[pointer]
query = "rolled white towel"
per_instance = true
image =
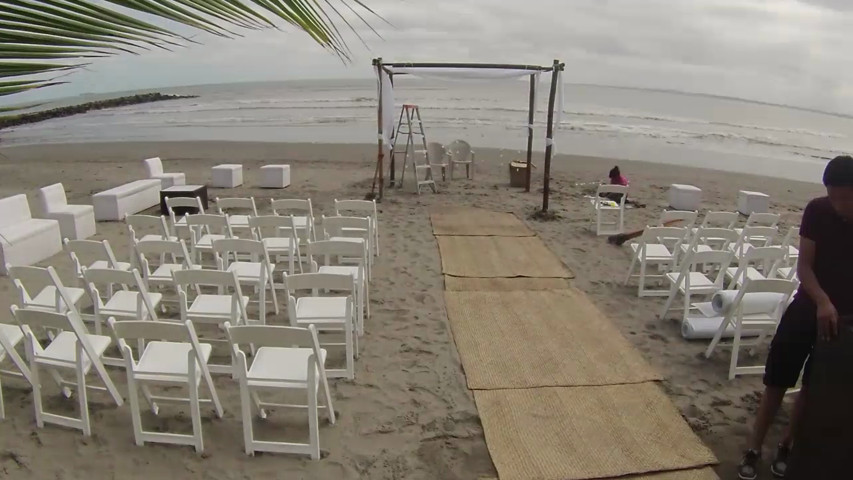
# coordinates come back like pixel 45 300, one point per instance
pixel 753 303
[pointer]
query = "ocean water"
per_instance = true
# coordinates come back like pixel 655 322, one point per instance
pixel 633 124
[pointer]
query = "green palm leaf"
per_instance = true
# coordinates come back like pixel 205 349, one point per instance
pixel 40 38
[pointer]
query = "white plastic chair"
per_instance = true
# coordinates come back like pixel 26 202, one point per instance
pixel 172 357
pixel 227 305
pixel 351 229
pixel 725 220
pixel 460 153
pixel 325 256
pixel 706 239
pixel 179 223
pixel 758 263
pixel 72 350
pixel 204 230
pixel 122 294
pixel 37 290
pixel 652 251
pixel 361 208
pixel 10 337
pixel 602 206
pixel 757 321
pixel 285 358
pixel 700 273
pixel 256 272
pixel 333 312
pixel 303 216
pixel 92 254
pixel 238 221
pixel 278 234
pixel 438 158
pixel 756 219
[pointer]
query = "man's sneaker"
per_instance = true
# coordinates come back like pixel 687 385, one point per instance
pixel 748 468
pixel 780 462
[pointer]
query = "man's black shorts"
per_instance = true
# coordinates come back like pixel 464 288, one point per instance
pixel 792 345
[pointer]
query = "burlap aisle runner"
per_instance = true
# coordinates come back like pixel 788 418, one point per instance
pixel 540 339
pixel 466 221
pixel 501 257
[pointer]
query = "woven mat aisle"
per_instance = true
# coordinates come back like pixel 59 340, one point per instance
pixel 560 392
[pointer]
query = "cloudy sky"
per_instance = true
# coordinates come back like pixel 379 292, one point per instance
pixel 785 51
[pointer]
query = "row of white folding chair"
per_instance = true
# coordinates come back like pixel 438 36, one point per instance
pixel 162 362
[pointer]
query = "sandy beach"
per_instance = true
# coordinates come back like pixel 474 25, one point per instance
pixel 408 413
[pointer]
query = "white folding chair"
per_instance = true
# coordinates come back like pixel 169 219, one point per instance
pixel 758 263
pixel 335 311
pixel 759 318
pixel 652 251
pixel 71 350
pixel 246 207
pixel 700 273
pixel 226 305
pixel 37 290
pixel 204 229
pixel 460 153
pixel 756 219
pixel 122 294
pixel 92 254
pixel 250 260
pixel 278 234
pixel 706 239
pixel 602 206
pixel 325 257
pixel 751 237
pixel 178 222
pixel 288 359
pixel 156 271
pixel 789 244
pixel 147 227
pixel 173 357
pixel 10 337
pixel 725 220
pixel 685 218
pixel 303 216
pixel 361 208
pixel 351 229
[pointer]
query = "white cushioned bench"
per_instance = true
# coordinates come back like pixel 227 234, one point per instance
pixel 130 198
pixel 25 240
pixel 76 222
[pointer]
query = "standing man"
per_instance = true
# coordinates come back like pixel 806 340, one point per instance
pixel 825 269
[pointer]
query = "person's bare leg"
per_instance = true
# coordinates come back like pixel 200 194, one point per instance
pixel 767 410
pixel 796 417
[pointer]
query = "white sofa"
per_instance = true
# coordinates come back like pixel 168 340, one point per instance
pixel 130 198
pixel 76 222
pixel 25 240
pixel 154 168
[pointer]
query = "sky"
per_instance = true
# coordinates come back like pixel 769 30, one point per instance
pixel 794 52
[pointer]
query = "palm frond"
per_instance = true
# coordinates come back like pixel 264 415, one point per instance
pixel 39 38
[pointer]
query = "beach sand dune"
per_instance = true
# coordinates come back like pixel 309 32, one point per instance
pixel 408 414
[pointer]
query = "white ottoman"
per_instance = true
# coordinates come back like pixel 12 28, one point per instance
pixel 684 197
pixel 752 202
pixel 275 176
pixel 228 175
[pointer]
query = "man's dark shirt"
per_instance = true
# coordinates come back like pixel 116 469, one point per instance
pixel 833 263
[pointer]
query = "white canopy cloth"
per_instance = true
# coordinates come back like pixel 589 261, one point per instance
pixel 386 89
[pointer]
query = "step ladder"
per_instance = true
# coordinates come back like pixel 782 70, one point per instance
pixel 410 126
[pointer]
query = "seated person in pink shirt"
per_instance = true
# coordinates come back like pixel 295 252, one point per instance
pixel 616 178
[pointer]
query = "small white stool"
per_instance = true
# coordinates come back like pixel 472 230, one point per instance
pixel 752 202
pixel 684 197
pixel 275 176
pixel 228 175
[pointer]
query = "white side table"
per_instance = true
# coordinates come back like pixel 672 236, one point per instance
pixel 684 197
pixel 275 176
pixel 228 175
